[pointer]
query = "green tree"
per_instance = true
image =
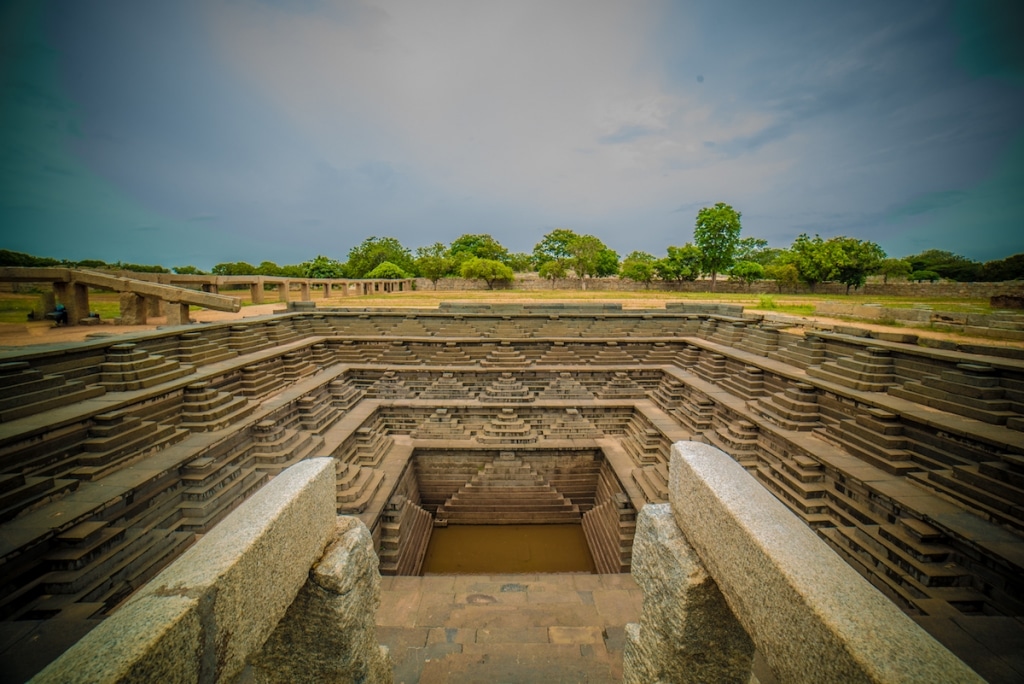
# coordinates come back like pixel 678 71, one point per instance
pixel 946 264
pixel 584 254
pixel 894 268
pixel 607 263
pixel 816 261
pixel 638 267
pixel 783 274
pixel 481 246
pixel 716 234
pixel 99 263
pixel 520 262
pixel 374 251
pixel 487 270
pixel 1001 270
pixel 233 268
pixel 322 267
pixel 750 249
pixel 682 264
pixel 552 270
pixel 553 247
pixel 855 260
pixel 269 268
pixel 387 271
pixel 9 258
pixel 747 271
pixel 919 276
pixel 180 270
pixel 433 262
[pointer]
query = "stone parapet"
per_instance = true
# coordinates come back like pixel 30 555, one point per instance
pixel 208 612
pixel 811 615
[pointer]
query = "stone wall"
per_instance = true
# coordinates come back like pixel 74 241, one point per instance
pixel 809 614
pixel 530 282
pixel 209 612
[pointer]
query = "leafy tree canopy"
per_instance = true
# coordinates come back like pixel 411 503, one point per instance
pixel 374 251
pixel 785 275
pixel 182 270
pixel 585 255
pixel 481 246
pixel 553 247
pixel 681 264
pixel 946 264
pixel 552 270
pixel 747 271
pixel 322 267
pixel 894 268
pixel 433 262
pixel 816 261
pixel 388 271
pixel 520 262
pixel 855 260
pixel 233 268
pixel 638 267
pixel 716 235
pixel 488 270
pixel 1010 268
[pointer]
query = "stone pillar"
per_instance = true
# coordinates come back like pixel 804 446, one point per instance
pixel 304 291
pixel 155 307
pixel 256 292
pixel 327 290
pixel 329 633
pixel 47 303
pixel 177 313
pixel 282 291
pixel 687 632
pixel 133 309
pixel 211 288
pixel 75 298
pixel 344 289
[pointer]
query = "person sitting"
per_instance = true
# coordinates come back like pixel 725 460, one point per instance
pixel 59 315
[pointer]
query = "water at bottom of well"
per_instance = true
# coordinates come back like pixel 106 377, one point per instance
pixel 499 549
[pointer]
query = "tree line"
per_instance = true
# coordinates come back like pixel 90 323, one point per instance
pixel 717 248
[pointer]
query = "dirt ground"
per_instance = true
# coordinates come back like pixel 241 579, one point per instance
pixel 18 335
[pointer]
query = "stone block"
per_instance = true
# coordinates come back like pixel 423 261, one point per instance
pixel 206 613
pixel 153 639
pixel 813 617
pixel 328 633
pixel 687 632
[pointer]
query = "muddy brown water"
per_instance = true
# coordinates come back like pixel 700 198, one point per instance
pixel 502 549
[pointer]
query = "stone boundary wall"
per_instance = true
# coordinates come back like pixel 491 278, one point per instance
pixel 810 615
pixel 209 611
pixel 530 282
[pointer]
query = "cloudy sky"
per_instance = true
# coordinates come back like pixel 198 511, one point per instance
pixel 201 131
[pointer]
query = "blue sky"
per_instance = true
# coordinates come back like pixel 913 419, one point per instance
pixel 201 131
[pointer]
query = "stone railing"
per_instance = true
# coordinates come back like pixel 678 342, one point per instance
pixel 728 571
pixel 243 600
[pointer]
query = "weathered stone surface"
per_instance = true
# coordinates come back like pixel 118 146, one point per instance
pixel 811 615
pixel 154 639
pixel 328 633
pixel 206 613
pixel 686 631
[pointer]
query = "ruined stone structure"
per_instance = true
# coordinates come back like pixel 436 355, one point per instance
pixel 907 461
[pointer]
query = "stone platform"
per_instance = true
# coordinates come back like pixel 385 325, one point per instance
pixel 507 628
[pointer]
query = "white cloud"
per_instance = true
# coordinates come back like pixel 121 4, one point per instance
pixel 562 105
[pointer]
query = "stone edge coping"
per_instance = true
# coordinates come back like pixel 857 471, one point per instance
pixel 811 615
pixel 206 613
